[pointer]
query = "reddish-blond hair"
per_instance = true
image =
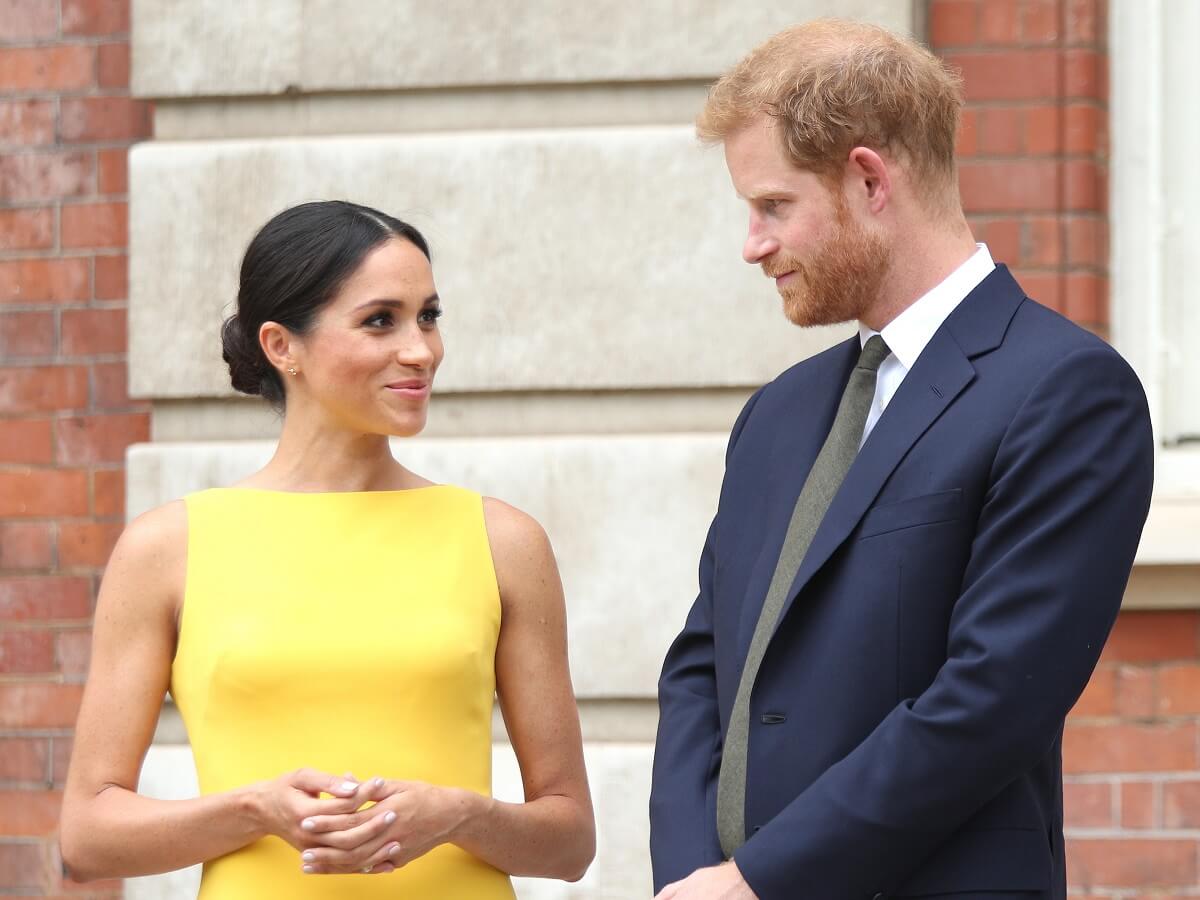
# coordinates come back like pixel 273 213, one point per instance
pixel 834 85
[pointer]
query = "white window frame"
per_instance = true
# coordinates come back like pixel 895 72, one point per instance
pixel 1155 69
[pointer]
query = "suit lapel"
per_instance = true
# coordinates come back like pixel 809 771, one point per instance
pixel 940 374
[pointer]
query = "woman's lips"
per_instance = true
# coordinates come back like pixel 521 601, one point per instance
pixel 410 388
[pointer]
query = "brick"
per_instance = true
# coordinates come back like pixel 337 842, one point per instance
pixel 74 652
pixel 953 23
pixel 60 758
pixel 1131 862
pixel 26 442
pixel 26 652
pixel 108 492
pixel 1086 298
pixel 1136 692
pixel 1137 804
pixel 1003 237
pixel 68 67
pixel 86 543
pixel 1181 804
pixel 39 705
pixel 93 332
pixel 1017 186
pixel 39 493
pixel 83 440
pixel 1039 21
pixel 1085 130
pixel 26 229
pixel 1041 241
pixel 24 759
pixel 110 386
pixel 26 334
pixel 1179 690
pixel 28 20
pixel 1043 131
pixel 1129 748
pixel 34 177
pixel 112 171
pixel 1088 805
pixel 95 17
pixel 44 280
pixel 998 22
pixel 45 598
pixel 1046 289
pixel 29 812
pixel 112 65
pixel 26 123
pixel 23 866
pixel 90 119
pixel 112 277
pixel 1154 636
pixel 1082 22
pixel 1099 697
pixel 1009 75
pixel 25 545
pixel 1083 77
pixel 968 134
pixel 1087 241
pixel 95 225
pixel 1085 187
pixel 1001 131
pixel 42 388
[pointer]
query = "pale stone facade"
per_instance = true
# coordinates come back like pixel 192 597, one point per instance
pixel 602 330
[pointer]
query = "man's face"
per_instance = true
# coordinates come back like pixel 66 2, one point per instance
pixel 827 266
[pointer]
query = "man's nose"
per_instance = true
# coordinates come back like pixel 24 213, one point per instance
pixel 759 245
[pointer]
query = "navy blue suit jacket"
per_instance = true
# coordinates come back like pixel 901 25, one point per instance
pixel 906 722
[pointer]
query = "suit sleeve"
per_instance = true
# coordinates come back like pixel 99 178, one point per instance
pixel 687 751
pixel 1054 544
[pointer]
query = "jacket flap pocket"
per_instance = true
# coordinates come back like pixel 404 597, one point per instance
pixel 927 509
pixel 1006 859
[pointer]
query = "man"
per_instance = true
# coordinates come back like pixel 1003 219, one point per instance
pixel 923 535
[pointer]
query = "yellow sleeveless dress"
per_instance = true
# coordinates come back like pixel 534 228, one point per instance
pixel 345 632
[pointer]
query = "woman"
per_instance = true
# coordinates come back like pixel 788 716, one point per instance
pixel 334 612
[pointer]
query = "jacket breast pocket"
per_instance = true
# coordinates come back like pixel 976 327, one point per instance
pixel 927 509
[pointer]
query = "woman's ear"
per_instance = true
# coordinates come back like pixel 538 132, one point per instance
pixel 279 346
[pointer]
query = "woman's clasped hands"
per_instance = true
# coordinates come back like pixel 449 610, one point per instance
pixel 369 827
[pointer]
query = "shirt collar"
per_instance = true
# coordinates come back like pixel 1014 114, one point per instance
pixel 908 333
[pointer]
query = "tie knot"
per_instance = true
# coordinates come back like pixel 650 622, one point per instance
pixel 874 352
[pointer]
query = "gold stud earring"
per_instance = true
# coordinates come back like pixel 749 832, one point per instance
pixel 292 371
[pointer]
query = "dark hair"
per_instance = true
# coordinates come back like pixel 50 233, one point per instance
pixel 293 267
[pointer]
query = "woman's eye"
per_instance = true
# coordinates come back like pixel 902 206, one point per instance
pixel 429 316
pixel 379 320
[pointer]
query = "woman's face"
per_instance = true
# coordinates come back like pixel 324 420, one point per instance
pixel 370 358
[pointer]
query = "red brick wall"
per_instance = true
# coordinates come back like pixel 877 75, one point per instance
pixel 66 122
pixel 1033 153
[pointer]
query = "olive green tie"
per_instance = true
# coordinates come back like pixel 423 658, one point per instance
pixel 824 479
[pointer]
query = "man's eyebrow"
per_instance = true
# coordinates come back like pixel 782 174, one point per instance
pixel 395 304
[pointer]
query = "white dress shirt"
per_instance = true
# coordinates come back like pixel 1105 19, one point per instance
pixel 908 333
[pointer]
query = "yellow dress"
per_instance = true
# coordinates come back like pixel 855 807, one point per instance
pixel 345 632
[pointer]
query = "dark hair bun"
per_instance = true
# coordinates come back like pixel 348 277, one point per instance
pixel 249 371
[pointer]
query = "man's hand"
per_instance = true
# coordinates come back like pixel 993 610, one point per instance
pixel 723 882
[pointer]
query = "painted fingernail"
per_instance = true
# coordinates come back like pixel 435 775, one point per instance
pixel 378 782
pixel 308 856
pixel 393 850
pixel 308 870
pixel 389 817
pixel 349 786
pixel 308 824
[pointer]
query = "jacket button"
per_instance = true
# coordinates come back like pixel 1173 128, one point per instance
pixel 773 718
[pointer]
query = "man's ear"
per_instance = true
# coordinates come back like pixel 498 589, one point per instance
pixel 279 346
pixel 868 178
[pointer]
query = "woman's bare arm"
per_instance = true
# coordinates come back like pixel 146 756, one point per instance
pixel 108 829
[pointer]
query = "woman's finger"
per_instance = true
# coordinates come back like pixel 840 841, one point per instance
pixel 347 832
